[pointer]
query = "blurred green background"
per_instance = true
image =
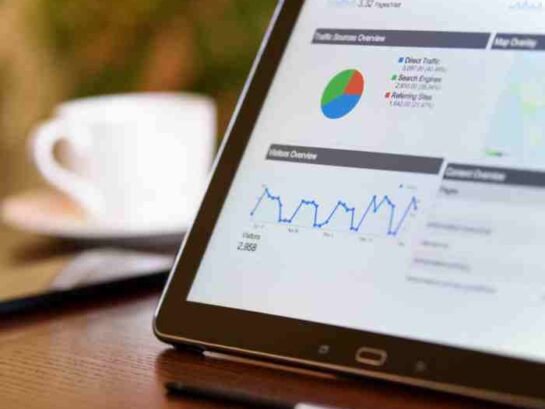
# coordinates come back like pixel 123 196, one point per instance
pixel 54 50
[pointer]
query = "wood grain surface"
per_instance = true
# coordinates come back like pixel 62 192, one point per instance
pixel 104 355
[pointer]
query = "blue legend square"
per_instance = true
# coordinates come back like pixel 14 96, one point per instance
pixel 401 60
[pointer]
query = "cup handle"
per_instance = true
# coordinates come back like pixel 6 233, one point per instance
pixel 44 140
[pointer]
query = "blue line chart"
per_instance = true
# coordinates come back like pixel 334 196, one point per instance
pixel 357 224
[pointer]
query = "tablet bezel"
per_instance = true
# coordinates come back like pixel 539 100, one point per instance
pixel 302 343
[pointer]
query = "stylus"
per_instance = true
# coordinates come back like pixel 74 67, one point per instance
pixel 219 394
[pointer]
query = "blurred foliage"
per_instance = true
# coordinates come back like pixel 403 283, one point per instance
pixel 126 45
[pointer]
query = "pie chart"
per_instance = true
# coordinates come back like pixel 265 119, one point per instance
pixel 342 94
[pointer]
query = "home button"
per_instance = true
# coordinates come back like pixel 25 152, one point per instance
pixel 371 356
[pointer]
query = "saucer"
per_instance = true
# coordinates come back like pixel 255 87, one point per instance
pixel 49 213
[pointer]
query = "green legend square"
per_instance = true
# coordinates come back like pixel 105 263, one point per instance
pixel 394 77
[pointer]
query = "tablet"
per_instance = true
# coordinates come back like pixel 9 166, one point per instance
pixel 378 206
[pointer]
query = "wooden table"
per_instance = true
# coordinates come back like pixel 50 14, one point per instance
pixel 104 355
pixel 101 354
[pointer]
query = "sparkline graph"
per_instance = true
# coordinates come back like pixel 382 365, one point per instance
pixel 376 205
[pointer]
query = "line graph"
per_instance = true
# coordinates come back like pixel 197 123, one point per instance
pixel 396 218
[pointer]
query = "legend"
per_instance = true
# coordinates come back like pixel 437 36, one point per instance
pixel 416 82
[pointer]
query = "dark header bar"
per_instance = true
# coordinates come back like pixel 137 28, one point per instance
pixel 522 42
pixel 392 38
pixel 497 176
pixel 354 159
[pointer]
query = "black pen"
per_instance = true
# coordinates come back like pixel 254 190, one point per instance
pixel 223 395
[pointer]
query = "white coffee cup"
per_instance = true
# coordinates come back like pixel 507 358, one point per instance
pixel 135 161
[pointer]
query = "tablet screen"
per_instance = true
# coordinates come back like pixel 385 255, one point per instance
pixel 395 179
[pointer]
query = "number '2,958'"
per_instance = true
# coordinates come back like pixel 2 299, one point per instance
pixel 247 246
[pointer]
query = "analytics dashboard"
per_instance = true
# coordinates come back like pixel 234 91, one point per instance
pixel 394 181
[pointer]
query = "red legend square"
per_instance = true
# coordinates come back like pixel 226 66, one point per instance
pixel 388 95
